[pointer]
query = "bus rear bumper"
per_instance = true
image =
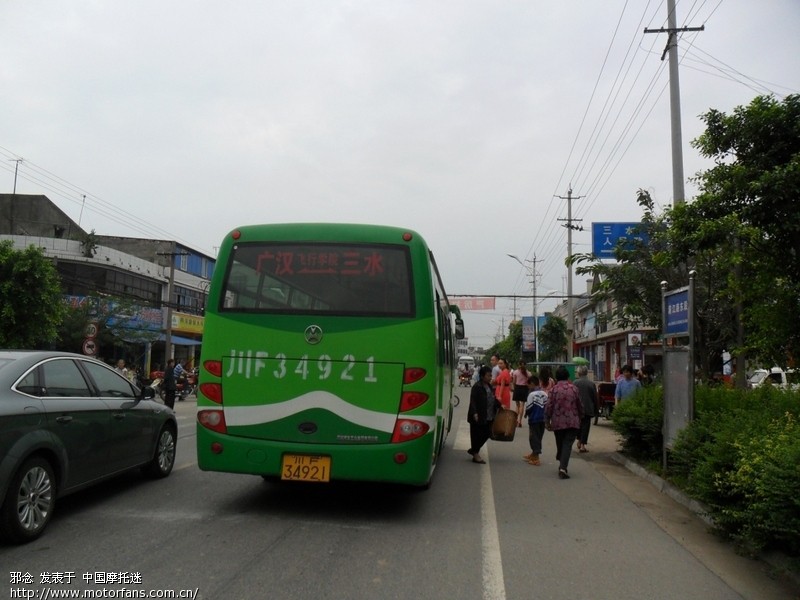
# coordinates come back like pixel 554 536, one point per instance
pixel 409 463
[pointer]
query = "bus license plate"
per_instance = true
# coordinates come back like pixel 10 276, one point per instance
pixel 304 467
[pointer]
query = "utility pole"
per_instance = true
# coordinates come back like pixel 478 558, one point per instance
pixel 678 194
pixel 170 287
pixel 532 272
pixel 569 225
pixel 535 316
pixel 16 169
pixel 13 194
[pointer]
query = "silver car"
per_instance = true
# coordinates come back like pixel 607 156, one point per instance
pixel 66 422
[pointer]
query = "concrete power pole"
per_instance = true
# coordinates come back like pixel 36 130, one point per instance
pixel 535 315
pixel 678 194
pixel 532 272
pixel 170 288
pixel 13 195
pixel 570 306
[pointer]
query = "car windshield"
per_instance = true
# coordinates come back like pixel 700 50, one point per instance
pixel 758 377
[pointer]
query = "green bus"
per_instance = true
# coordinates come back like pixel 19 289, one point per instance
pixel 328 354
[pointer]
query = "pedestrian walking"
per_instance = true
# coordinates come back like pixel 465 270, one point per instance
pixel 563 413
pixel 494 361
pixel 587 390
pixel 502 384
pixel 534 411
pixel 627 385
pixel 169 385
pixel 519 390
pixel 483 406
pixel 546 380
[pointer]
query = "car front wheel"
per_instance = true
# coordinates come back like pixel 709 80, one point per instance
pixel 29 502
pixel 164 458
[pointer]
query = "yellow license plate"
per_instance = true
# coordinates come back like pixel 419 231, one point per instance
pixel 304 467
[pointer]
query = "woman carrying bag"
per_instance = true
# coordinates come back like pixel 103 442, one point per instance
pixel 483 406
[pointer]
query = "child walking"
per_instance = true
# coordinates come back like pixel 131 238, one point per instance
pixel 534 410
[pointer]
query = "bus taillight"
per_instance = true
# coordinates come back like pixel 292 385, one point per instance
pixel 406 430
pixel 413 374
pixel 411 400
pixel 214 367
pixel 213 420
pixel 212 391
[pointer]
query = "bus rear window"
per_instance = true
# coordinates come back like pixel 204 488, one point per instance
pixel 340 279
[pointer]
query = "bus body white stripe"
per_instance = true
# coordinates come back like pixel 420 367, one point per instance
pixel 267 413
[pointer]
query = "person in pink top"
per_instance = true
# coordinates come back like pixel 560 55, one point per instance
pixel 519 389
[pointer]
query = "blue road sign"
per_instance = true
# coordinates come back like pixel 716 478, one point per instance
pixel 677 313
pixel 606 236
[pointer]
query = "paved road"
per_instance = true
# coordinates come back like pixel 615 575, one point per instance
pixel 504 530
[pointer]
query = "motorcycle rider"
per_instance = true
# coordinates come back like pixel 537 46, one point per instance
pixel 182 379
pixel 179 370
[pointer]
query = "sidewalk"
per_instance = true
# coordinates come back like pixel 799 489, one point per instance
pixel 692 533
pixel 604 440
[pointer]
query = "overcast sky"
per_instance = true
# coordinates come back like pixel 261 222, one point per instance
pixel 463 120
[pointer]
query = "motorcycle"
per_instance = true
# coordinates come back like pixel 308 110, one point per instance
pixel 185 385
pixel 465 379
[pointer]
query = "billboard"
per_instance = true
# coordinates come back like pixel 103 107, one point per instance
pixel 474 302
pixel 528 335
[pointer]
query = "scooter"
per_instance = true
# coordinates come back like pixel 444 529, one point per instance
pixel 186 384
pixel 465 380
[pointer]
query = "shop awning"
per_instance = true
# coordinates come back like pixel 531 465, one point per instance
pixel 178 340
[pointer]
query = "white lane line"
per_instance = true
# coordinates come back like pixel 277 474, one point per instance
pixel 491 559
pixel 184 466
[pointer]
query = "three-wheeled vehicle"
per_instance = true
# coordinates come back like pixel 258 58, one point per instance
pixel 605 397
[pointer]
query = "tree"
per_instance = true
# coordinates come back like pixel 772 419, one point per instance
pixel 741 236
pixel 632 285
pixel 749 202
pixel 553 339
pixel 117 333
pixel 510 347
pixel 89 244
pixel 31 307
pixel 756 176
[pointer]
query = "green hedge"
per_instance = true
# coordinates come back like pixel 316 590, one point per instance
pixel 740 457
pixel 639 421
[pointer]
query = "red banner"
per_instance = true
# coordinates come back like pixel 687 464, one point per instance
pixel 476 303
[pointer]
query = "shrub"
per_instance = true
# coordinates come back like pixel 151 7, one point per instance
pixel 741 457
pixel 639 421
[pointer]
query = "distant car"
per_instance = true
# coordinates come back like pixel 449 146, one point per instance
pixel 788 379
pixel 66 422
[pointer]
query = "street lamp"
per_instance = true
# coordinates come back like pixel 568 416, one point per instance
pixel 532 270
